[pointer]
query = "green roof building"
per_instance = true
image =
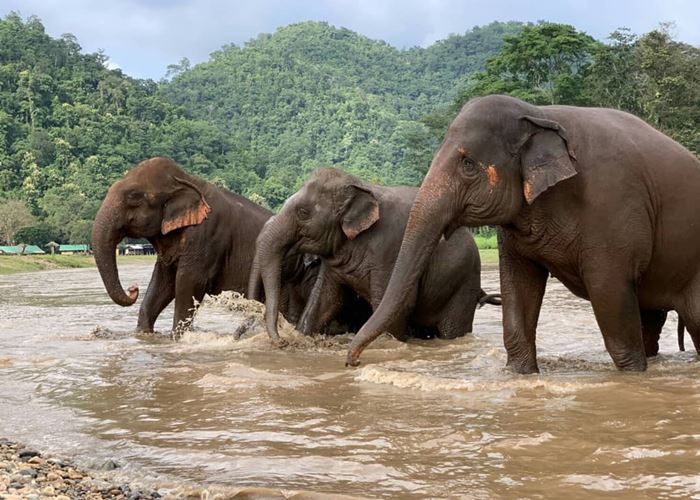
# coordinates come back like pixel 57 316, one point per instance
pixel 17 250
pixel 74 248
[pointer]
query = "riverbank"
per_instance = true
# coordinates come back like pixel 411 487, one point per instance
pixel 25 473
pixel 11 264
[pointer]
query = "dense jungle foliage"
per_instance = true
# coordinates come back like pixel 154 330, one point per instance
pixel 258 118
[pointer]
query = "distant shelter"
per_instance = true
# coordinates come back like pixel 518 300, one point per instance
pixel 20 250
pixel 73 249
pixel 137 249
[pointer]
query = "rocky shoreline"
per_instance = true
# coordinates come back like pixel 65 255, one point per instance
pixel 26 474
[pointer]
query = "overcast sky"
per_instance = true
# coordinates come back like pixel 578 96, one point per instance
pixel 143 37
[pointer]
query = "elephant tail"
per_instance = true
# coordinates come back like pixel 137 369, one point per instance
pixel 681 334
pixel 489 298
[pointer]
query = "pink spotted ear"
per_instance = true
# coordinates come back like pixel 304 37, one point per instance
pixel 361 212
pixel 187 207
pixel 546 158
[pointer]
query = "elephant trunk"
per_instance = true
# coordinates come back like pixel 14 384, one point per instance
pixel 106 234
pixel 430 215
pixel 272 245
pixel 255 281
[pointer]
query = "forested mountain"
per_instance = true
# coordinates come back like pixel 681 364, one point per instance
pixel 313 94
pixel 258 118
pixel 255 119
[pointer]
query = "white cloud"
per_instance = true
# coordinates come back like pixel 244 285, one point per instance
pixel 146 36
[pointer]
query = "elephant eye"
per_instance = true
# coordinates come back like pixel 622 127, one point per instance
pixel 134 198
pixel 302 213
pixel 469 162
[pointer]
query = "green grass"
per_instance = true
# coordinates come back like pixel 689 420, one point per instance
pixel 489 256
pixel 488 248
pixel 11 264
pixel 486 242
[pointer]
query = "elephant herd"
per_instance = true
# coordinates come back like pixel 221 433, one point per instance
pixel 594 197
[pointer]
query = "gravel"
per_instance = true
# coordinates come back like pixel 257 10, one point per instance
pixel 26 474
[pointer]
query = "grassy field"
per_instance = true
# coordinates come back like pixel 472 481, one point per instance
pixel 11 264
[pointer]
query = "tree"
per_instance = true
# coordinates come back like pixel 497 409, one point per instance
pixel 174 70
pixel 614 79
pixel 652 76
pixel 14 215
pixel 38 235
pixel 544 64
pixel 68 209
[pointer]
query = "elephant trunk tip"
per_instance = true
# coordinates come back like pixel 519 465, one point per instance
pixel 132 294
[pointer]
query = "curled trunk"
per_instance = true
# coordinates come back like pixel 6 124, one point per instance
pixel 106 234
pixel 429 217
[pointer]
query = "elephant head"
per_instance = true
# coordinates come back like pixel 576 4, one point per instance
pixel 331 208
pixel 499 155
pixel 154 199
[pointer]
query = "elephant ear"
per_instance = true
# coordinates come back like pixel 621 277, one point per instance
pixel 361 211
pixel 187 207
pixel 546 158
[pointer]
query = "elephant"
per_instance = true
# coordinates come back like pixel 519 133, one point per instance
pixel 595 197
pixel 204 237
pixel 356 229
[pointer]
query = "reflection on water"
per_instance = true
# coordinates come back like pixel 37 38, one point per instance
pixel 429 418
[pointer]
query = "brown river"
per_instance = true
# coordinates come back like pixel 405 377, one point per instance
pixel 428 419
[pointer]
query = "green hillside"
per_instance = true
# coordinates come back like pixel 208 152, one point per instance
pixel 255 119
pixel 313 94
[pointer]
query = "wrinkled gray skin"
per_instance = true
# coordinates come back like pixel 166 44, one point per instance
pixel 594 196
pixel 356 230
pixel 204 237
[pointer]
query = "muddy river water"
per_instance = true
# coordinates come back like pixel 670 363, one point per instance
pixel 425 419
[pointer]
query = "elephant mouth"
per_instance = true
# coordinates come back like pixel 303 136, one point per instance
pixel 451 228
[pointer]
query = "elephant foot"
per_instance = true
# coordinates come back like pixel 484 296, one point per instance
pixel 279 343
pixel 353 359
pixel 523 366
pixel 451 335
pixel 635 362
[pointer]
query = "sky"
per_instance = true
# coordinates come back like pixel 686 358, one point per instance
pixel 142 37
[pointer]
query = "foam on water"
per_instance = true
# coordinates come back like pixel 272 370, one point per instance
pixel 254 338
pixel 429 383
pixel 237 375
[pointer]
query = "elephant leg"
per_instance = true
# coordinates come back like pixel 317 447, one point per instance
pixel 694 332
pixel 457 318
pixel 652 324
pixel 161 291
pixel 689 317
pixel 523 283
pixel 616 310
pixel 189 289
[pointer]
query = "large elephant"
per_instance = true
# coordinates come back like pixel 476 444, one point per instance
pixel 204 237
pixel 356 229
pixel 596 197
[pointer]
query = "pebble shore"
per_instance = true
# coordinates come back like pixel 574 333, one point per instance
pixel 25 474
